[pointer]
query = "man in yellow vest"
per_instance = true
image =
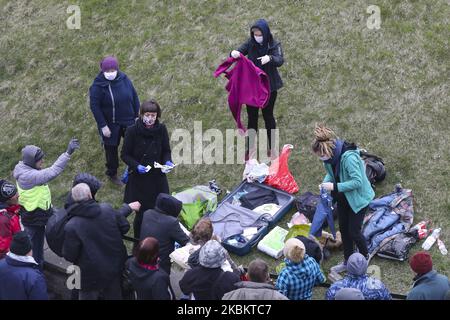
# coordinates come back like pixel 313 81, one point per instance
pixel 35 197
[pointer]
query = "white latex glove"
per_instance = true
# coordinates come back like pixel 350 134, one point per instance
pixel 264 59
pixel 135 206
pixel 106 132
pixel 235 54
pixel 327 186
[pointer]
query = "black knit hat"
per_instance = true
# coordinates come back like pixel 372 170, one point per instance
pixel 21 244
pixel 7 190
pixel 93 183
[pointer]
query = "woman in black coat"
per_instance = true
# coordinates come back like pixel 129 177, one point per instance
pixel 266 53
pixel 145 142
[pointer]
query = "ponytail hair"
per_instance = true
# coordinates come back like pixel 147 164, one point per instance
pixel 325 140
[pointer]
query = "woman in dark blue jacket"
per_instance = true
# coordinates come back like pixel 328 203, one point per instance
pixel 115 105
pixel 266 53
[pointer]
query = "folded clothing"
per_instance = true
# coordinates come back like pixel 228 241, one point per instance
pixel 257 198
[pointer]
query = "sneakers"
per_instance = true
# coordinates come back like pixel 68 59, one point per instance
pixel 115 180
pixel 341 267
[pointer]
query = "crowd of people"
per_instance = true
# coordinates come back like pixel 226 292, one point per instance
pixel 93 231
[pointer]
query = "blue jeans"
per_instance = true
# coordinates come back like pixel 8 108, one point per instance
pixel 37 235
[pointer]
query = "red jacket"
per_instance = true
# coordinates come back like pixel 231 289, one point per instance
pixel 247 84
pixel 9 226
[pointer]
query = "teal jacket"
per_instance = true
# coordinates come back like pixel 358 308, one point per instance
pixel 353 180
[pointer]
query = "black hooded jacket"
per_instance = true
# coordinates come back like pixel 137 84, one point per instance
pixel 162 223
pixel 270 47
pixel 93 241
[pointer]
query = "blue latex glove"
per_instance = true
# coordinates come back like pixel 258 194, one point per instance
pixel 170 164
pixel 141 169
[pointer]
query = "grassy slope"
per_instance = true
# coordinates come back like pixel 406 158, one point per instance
pixel 387 90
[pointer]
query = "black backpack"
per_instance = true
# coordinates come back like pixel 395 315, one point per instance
pixel 375 169
pixel 307 202
pixel 54 231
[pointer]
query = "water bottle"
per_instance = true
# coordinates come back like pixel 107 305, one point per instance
pixel 431 239
pixel 442 247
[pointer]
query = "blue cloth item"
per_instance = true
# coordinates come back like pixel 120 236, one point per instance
pixel 296 280
pixel 398 228
pixel 382 202
pixel 371 288
pixel 383 219
pixel 324 211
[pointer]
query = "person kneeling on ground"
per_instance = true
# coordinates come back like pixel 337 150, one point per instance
pixel 149 281
pixel 208 281
pixel 162 223
pixel 428 284
pixel 20 276
pixel 300 274
pixel 93 241
pixel 201 233
pixel 258 288
pixel 371 288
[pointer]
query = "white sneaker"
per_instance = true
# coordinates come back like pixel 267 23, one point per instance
pixel 341 267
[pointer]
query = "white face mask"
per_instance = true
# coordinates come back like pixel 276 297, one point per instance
pixel 110 75
pixel 324 158
pixel 259 39
pixel 149 121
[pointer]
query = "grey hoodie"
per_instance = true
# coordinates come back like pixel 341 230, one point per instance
pixel 28 177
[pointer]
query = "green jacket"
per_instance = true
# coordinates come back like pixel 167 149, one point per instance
pixel 353 180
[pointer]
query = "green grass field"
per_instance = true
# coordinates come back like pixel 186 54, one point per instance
pixel 387 89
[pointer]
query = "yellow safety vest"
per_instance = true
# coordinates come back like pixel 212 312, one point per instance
pixel 37 197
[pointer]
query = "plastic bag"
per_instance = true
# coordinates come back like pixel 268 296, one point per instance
pixel 279 175
pixel 255 171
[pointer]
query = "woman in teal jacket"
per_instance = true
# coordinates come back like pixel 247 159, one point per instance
pixel 349 186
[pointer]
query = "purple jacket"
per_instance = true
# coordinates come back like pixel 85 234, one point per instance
pixel 247 84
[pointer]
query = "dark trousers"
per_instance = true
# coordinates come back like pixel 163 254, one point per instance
pixel 350 224
pixel 112 292
pixel 269 120
pixel 112 155
pixel 37 236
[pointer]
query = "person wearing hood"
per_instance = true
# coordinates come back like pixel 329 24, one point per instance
pixel 259 286
pixel 428 284
pixel 347 181
pixel 146 142
pixel 20 276
pixel 301 273
pixel 357 278
pixel 115 106
pixel 208 281
pixel 9 215
pixel 148 280
pixel 266 53
pixel 34 194
pixel 93 241
pixel 162 223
